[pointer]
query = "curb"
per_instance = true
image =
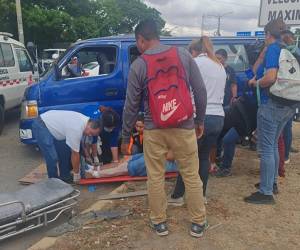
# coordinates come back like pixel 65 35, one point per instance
pixel 47 242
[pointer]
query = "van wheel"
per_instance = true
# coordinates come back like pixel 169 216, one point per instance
pixel 1 118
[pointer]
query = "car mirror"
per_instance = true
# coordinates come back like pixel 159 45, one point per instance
pixel 57 73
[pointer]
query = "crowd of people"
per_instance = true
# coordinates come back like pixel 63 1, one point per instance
pixel 192 119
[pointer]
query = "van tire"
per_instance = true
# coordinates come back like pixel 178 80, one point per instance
pixel 1 118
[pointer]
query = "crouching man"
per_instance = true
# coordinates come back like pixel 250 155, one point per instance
pixel 58 134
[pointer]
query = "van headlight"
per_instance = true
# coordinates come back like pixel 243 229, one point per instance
pixel 29 110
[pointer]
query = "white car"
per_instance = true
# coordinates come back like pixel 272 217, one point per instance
pixel 17 71
pixel 91 69
pixel 49 55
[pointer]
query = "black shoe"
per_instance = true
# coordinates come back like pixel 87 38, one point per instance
pixel 259 198
pixel 223 172
pixel 294 150
pixel 275 188
pixel 197 230
pixel 161 229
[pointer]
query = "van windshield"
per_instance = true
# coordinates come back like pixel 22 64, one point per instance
pixel 61 54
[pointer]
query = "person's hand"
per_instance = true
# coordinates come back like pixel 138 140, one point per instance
pixel 199 131
pixel 233 100
pixel 252 82
pixel 125 149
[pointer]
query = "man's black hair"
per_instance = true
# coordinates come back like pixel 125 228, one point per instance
pixel 222 52
pixel 110 118
pixel 95 124
pixel 147 29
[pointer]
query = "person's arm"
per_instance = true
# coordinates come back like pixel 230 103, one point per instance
pixel 233 85
pixel 259 60
pixel 86 152
pixel 272 65
pixel 75 160
pixel 94 150
pixel 200 96
pixel 115 154
pixel 199 90
pixel 73 140
pixel 133 100
pixel 234 90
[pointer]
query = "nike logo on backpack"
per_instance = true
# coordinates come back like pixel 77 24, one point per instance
pixel 170 108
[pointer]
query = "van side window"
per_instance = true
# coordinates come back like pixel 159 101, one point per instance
pixel 91 61
pixel 7 54
pixel 237 56
pixel 133 54
pixel 24 61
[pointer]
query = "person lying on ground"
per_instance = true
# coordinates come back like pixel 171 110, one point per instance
pixel 131 165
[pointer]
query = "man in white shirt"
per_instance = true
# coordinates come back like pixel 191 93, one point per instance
pixel 58 133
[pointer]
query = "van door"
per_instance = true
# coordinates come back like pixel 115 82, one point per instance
pixel 8 76
pixel 91 76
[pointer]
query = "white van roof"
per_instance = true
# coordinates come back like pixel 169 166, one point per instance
pixel 7 38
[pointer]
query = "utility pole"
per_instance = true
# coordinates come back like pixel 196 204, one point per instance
pixel 218 33
pixel 19 21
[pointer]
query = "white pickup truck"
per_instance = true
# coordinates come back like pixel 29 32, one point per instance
pixel 17 71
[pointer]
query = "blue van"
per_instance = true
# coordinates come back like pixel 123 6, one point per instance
pixel 94 72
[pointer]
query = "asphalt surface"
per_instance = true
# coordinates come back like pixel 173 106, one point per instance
pixel 17 160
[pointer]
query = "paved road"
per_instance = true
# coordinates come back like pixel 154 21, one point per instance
pixel 16 160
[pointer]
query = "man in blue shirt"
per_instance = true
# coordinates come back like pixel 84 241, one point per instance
pixel 272 115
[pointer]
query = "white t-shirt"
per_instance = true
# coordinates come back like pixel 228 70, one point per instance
pixel 214 77
pixel 66 125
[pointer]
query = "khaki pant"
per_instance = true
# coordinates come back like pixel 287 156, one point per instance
pixel 183 144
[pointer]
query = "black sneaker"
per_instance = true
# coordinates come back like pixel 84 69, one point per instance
pixel 197 230
pixel 223 172
pixel 259 198
pixel 294 150
pixel 275 188
pixel 161 229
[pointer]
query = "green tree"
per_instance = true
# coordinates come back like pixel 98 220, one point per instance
pixel 47 22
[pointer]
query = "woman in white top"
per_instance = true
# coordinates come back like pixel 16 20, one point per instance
pixel 214 77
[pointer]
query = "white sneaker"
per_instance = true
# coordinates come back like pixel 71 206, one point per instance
pixel 205 200
pixel 176 202
pixel 287 161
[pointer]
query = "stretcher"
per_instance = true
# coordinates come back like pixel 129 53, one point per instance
pixel 35 206
pixel 122 178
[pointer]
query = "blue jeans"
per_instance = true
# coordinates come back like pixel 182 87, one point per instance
pixel 212 128
pixel 56 153
pixel 288 137
pixel 271 119
pixel 229 143
pixel 137 166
